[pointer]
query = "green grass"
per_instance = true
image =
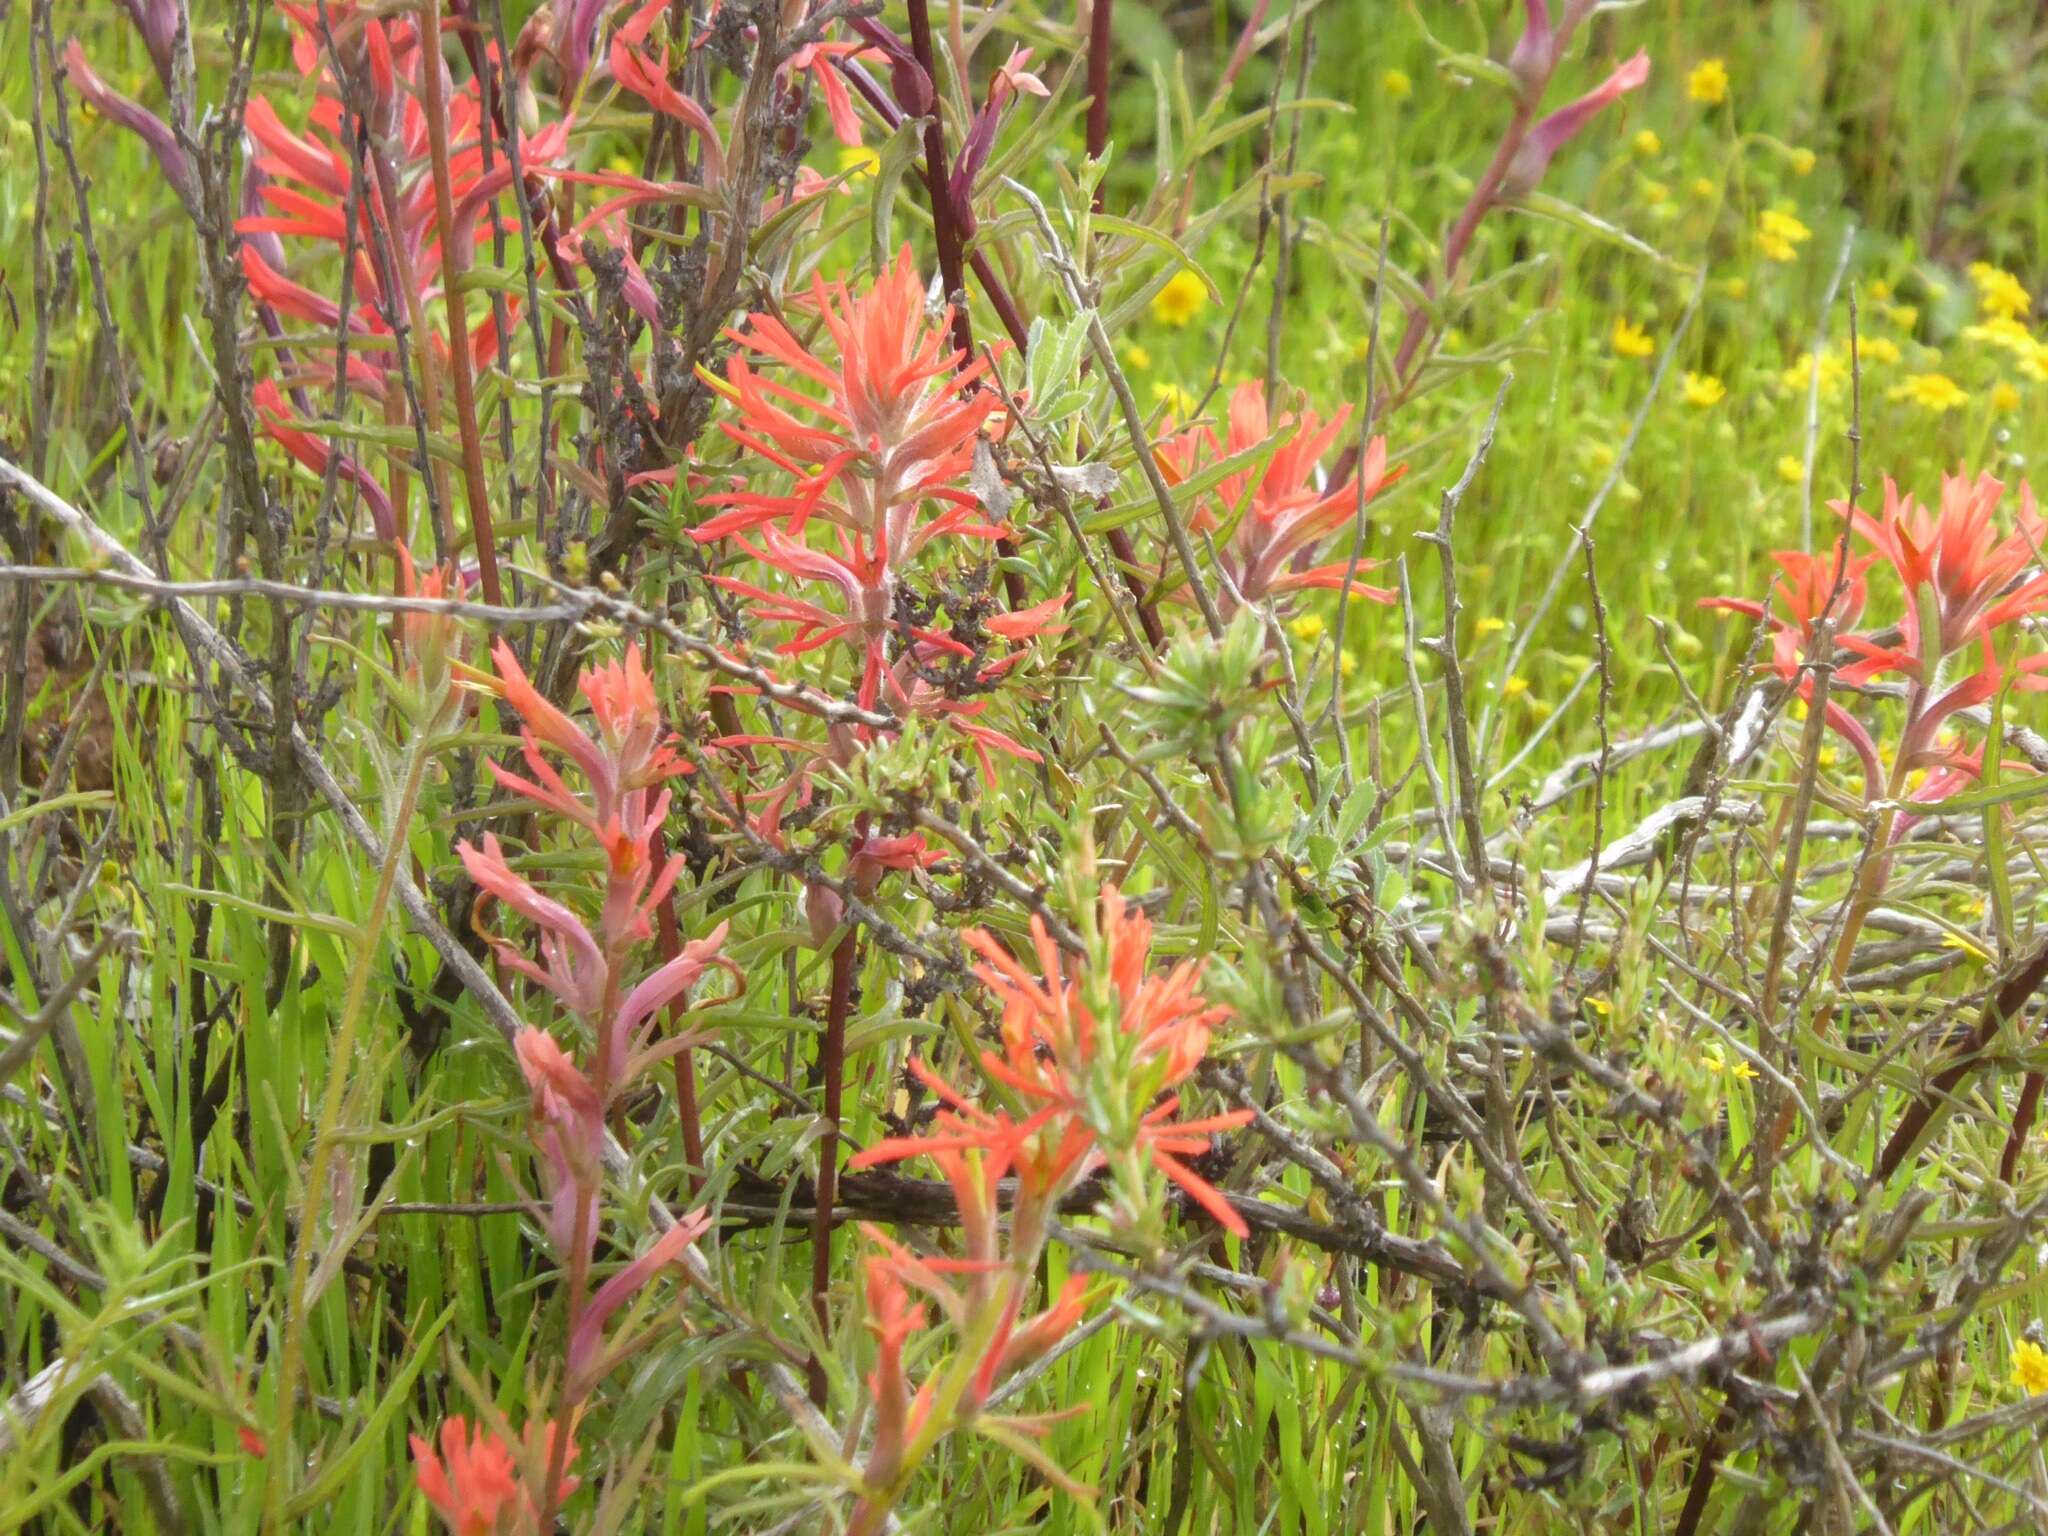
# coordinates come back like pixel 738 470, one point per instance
pixel 162 1136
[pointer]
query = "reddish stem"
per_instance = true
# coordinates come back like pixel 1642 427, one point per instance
pixel 945 227
pixel 832 1065
pixel 456 308
pixel 2005 1004
pixel 2022 1126
pixel 669 940
pixel 1098 86
pixel 1476 208
pixel 1120 544
pixel 946 235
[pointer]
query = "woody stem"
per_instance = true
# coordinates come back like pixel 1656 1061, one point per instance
pixel 832 1065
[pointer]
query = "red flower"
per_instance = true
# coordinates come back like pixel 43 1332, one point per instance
pixel 475 1481
pixel 647 78
pixel 1955 568
pixel 314 453
pixel 575 968
pixel 1090 1079
pixel 1551 134
pixel 622 765
pixel 892 1318
pixel 892 426
pixel 1806 591
pixel 1285 513
pixel 824 61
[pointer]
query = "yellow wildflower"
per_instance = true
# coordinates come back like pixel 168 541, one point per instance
pixel 1708 82
pixel 1998 292
pixel 1309 627
pixel 1935 392
pixel 1703 187
pixel 1137 359
pixel 1630 339
pixel 1347 663
pixel 1703 390
pixel 859 159
pixel 1655 192
pixel 1490 625
pixel 1183 297
pixel 1803 162
pixel 1178 402
pixel 621 165
pixel 1904 316
pixel 2001 331
pixel 1737 288
pixel 1647 143
pixel 1791 470
pixel 1880 290
pixel 1956 941
pixel 1779 235
pixel 1395 85
pixel 1834 372
pixel 1720 1065
pixel 2004 398
pixel 1514 687
pixel 1877 349
pixel 2030 1367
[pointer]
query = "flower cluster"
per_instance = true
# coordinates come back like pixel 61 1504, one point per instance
pixel 480 1486
pixel 309 182
pixel 1281 513
pixel 1095 1058
pixel 1960 582
pixel 875 438
pixel 589 970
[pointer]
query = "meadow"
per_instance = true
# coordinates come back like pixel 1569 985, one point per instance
pixel 1269 766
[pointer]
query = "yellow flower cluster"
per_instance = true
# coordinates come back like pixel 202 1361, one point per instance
pixel 1935 392
pixel 1834 373
pixel 1712 1058
pixel 1630 339
pixel 1184 297
pixel 2030 1367
pixel 1999 293
pixel 1779 235
pixel 1703 390
pixel 1708 82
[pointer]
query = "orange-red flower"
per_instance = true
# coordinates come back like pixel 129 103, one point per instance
pixel 1096 1056
pixel 1955 568
pixel 1285 512
pixel 884 428
pixel 476 1483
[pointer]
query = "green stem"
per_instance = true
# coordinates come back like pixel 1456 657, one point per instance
pixel 339 1074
